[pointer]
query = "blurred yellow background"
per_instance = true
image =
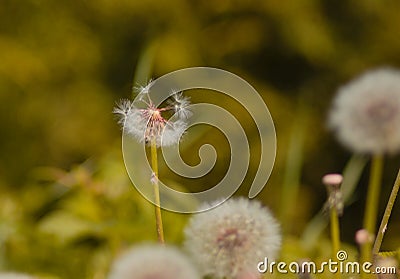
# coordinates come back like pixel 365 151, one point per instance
pixel 67 206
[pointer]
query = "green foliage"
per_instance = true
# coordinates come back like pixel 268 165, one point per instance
pixel 74 223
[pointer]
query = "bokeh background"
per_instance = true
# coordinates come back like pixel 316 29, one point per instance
pixel 67 207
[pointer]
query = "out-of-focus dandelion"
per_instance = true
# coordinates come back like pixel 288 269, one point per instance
pixel 365 117
pixel 150 125
pixel 366 112
pixel 229 240
pixel 153 261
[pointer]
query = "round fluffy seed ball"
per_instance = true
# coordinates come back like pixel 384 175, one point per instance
pixel 366 113
pixel 229 240
pixel 153 261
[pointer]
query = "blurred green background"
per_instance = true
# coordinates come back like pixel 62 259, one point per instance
pixel 67 206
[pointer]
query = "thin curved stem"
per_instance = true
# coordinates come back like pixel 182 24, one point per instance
pixel 386 216
pixel 335 235
pixel 335 231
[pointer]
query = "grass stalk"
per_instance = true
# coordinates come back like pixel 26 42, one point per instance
pixel 386 216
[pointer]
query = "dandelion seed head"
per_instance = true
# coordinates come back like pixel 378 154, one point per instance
pixel 153 262
pixel 229 240
pixel 148 124
pixel 366 112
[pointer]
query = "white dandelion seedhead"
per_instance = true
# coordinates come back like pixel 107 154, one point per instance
pixel 229 240
pixel 366 112
pixel 153 261
pixel 148 123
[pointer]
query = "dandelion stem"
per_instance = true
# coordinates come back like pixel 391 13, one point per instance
pixel 371 207
pixel 154 164
pixel 335 231
pixel 386 216
pixel 335 234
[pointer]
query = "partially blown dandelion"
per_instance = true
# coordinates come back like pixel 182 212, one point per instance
pixel 153 261
pixel 366 113
pixel 229 241
pixel 148 124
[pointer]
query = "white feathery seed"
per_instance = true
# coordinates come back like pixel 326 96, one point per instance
pixel 366 113
pixel 153 262
pixel 143 90
pixel 181 104
pixel 229 240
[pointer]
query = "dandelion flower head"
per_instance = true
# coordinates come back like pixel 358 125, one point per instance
pixel 229 240
pixel 153 262
pixel 149 124
pixel 366 112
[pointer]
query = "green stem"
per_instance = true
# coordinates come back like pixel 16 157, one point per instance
pixel 335 235
pixel 371 207
pixel 335 232
pixel 386 216
pixel 154 165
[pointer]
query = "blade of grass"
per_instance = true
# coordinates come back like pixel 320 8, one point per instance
pixel 144 65
pixel 294 162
